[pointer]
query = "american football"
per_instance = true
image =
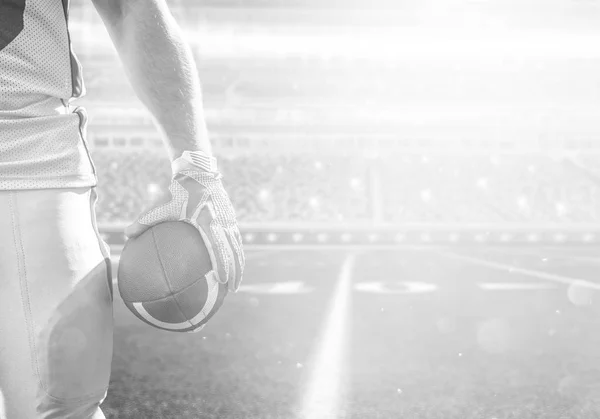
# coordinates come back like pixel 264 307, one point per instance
pixel 166 279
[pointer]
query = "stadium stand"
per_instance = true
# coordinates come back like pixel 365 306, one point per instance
pixel 414 188
pixel 264 189
pixel 500 189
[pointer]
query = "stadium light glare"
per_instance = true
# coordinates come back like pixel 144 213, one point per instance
pixel 561 209
pixel 322 237
pixel 523 202
pixel 560 237
pixel 373 237
pixel 425 42
pixel 153 190
pixel 399 237
pixel 264 194
pixel 346 237
pixel 314 202
pixel 355 183
pixel 588 237
pixel 426 195
pixel 482 183
pixel 495 160
pixel 480 237
pixel 416 43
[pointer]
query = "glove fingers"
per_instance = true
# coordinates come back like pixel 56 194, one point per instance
pixel 237 259
pixel 216 242
pixel 137 228
pixel 151 217
pixel 224 255
pixel 239 251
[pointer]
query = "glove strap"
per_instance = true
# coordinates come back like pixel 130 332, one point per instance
pixel 199 159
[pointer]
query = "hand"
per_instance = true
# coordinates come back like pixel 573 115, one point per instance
pixel 196 196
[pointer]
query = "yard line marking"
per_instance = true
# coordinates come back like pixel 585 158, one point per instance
pixel 589 259
pixel 551 254
pixel 324 391
pixel 515 286
pixel 529 272
pixel 398 287
pixel 2 406
pixel 277 288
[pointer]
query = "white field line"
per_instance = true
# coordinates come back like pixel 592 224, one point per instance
pixel 586 259
pixel 551 253
pixel 516 286
pixel 561 279
pixel 324 390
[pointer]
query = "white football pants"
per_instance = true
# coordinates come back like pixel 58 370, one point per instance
pixel 56 318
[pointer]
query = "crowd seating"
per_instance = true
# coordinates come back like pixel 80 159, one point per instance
pixel 488 189
pixel 395 189
pixel 263 189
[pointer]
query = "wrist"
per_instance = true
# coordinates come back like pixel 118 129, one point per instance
pixel 194 160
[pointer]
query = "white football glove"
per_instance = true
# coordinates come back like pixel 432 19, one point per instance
pixel 196 196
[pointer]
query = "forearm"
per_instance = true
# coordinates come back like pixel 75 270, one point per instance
pixel 160 67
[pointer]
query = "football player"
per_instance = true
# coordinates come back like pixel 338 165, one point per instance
pixel 56 320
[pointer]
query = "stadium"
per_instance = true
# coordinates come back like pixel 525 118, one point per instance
pixel 417 186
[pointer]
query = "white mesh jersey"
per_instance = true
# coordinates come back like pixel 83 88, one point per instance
pixel 42 137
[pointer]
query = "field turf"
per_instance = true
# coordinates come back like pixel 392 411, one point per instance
pixel 423 333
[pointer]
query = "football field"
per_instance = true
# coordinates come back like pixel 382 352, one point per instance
pixel 331 333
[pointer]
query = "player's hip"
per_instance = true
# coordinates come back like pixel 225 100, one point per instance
pixel 45 152
pixel 52 228
pixel 55 303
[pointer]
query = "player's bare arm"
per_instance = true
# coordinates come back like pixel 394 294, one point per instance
pixel 161 69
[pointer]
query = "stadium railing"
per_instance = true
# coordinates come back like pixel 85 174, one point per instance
pixel 348 235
